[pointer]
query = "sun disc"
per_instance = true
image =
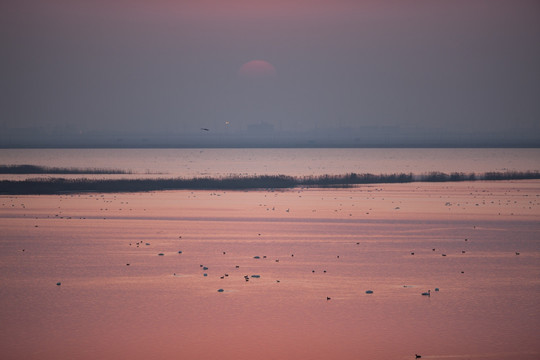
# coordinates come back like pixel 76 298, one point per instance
pixel 257 69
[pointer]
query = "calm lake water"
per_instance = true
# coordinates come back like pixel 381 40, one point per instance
pixel 315 253
pixel 219 162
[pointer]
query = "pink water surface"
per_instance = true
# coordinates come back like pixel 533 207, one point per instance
pixel 163 307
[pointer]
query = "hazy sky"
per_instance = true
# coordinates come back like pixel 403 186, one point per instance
pixel 172 66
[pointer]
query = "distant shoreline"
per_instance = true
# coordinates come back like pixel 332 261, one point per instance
pixel 37 169
pixel 45 186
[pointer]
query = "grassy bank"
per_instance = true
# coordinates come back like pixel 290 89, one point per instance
pixel 60 185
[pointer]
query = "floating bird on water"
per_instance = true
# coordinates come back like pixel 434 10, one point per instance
pixel 205 129
pixel 416 356
pixel 428 293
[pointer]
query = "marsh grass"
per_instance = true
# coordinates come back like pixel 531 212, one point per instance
pixel 234 182
pixel 35 169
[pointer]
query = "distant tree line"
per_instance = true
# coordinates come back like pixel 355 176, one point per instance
pixel 61 185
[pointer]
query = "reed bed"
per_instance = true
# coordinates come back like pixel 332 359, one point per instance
pixel 36 169
pixel 234 182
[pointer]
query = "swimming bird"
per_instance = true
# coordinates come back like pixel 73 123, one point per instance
pixel 428 293
pixel 416 356
pixel 205 129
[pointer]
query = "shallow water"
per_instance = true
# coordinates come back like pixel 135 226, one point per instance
pixel 296 162
pixel 164 307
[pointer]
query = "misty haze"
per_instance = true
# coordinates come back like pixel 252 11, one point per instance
pixel 351 74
